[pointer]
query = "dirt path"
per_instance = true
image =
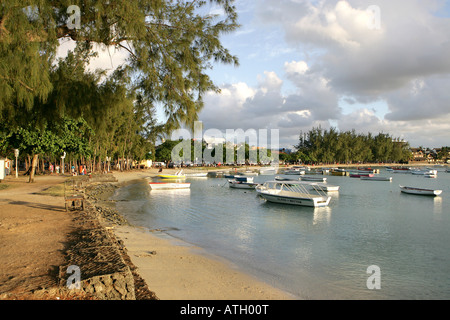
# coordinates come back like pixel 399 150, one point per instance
pixel 33 230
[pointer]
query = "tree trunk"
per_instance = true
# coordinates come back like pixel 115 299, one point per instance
pixel 33 167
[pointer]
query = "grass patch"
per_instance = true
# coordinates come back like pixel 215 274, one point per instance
pixel 54 191
pixel 4 186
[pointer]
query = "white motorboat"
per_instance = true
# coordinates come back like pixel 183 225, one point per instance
pixel 314 185
pixel 294 171
pixel 317 179
pixel 292 192
pixel 242 185
pixel 168 185
pixel 196 174
pixel 376 178
pixel 268 171
pixel 424 172
pixel 278 178
pixel 248 173
pixel 420 191
pixel 323 187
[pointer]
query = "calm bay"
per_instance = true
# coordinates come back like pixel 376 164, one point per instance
pixel 313 253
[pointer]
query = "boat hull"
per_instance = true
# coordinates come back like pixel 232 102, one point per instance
pixel 298 201
pixel 242 185
pixel 197 175
pixel 169 176
pixel 316 179
pixel 377 178
pixel 360 175
pixel 421 192
pixel 165 186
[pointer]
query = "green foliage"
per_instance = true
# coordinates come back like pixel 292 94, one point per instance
pixel 171 45
pixel 329 146
pixel 68 135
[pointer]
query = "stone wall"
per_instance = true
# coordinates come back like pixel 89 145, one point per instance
pixel 105 270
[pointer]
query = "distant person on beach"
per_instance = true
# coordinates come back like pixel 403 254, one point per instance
pixel 51 168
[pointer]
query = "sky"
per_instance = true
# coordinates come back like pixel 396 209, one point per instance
pixel 368 65
pixel 373 66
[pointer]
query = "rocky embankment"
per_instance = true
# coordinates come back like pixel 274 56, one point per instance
pixel 106 270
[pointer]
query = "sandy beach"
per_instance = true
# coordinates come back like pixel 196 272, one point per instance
pixel 34 231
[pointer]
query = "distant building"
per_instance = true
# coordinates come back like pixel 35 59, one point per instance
pixel 418 154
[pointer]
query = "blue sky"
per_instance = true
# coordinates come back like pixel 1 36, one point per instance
pixel 306 63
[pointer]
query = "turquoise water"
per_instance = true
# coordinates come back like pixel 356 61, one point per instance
pixel 320 253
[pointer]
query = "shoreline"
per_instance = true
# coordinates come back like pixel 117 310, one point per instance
pixel 176 270
pixel 35 230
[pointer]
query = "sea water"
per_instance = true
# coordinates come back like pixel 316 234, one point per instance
pixel 314 253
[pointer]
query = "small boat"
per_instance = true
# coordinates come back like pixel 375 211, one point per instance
pixel 401 170
pixel 338 172
pixel 242 183
pixel 248 173
pixel 419 191
pixel 324 187
pixel 369 170
pixel 294 171
pixel 430 175
pixel 168 185
pixel 291 192
pixel 376 178
pixel 278 178
pixel 177 175
pixel 423 172
pixel 196 174
pixel 268 171
pixel 315 185
pixel 359 175
pixel 318 179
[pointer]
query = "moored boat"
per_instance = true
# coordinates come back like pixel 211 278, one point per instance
pixel 339 172
pixel 242 183
pixel 294 171
pixel 420 191
pixel 318 179
pixel 359 175
pixel 278 178
pixel 401 170
pixel 247 173
pixel 423 172
pixel 196 174
pixel 168 185
pixel 291 192
pixel 376 178
pixel 267 171
pixel 177 175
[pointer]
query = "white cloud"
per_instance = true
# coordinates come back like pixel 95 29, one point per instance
pixel 401 59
